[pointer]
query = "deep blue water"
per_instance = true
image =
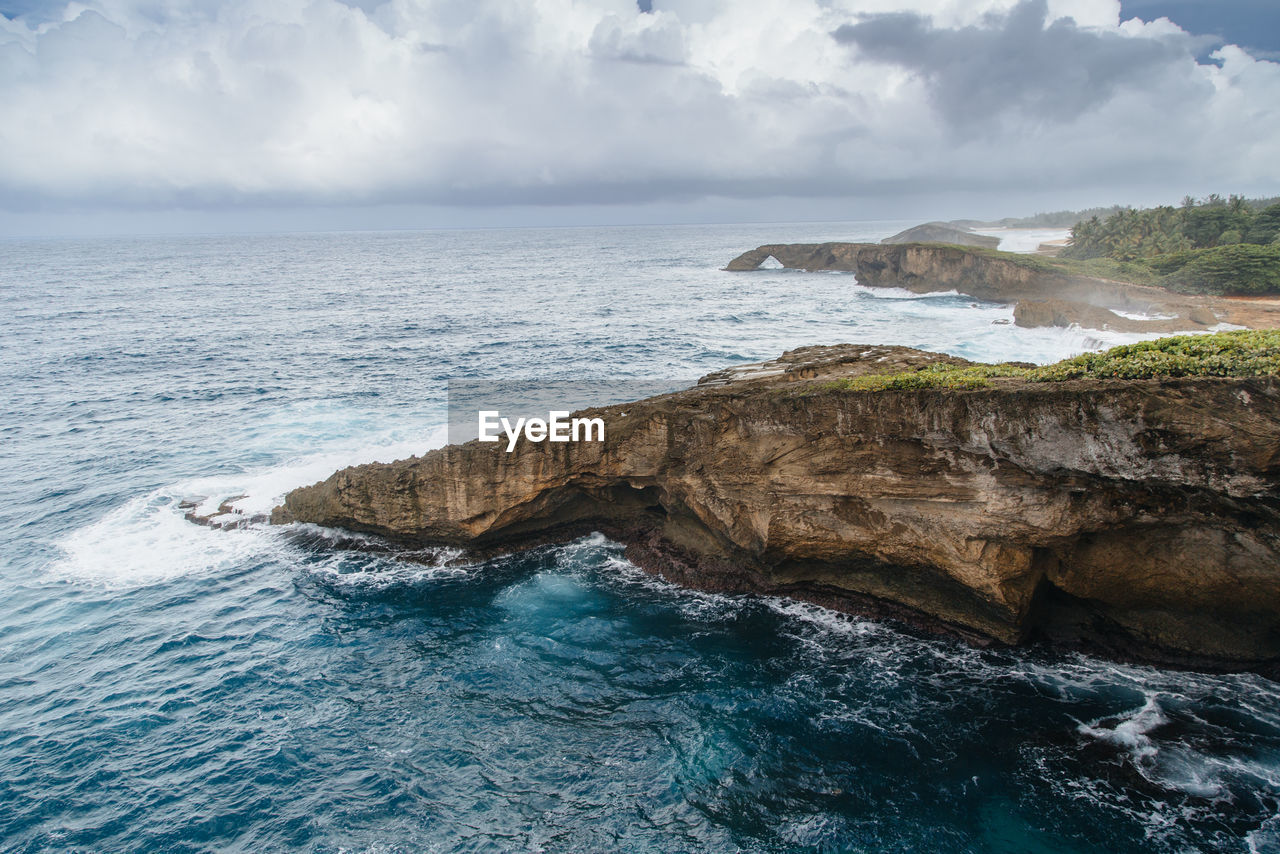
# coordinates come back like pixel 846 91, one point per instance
pixel 164 687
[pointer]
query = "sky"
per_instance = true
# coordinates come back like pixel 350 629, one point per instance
pixel 146 115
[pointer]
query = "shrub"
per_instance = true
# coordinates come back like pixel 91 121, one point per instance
pixel 1246 353
pixel 1240 269
pixel 1266 226
pixel 963 377
pixel 1136 272
pixel 1166 264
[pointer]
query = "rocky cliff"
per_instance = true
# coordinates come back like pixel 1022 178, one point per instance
pixel 1006 277
pixel 1139 517
pixel 928 268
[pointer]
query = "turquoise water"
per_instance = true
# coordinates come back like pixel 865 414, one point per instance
pixel 165 687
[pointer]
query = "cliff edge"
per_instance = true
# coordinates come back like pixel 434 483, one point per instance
pixel 1048 295
pixel 1139 517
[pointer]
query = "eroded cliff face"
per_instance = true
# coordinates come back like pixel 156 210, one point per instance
pixel 1138 517
pixel 1048 298
pixel 928 268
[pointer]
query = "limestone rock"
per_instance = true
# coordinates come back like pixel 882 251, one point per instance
pixel 1005 277
pixel 1202 316
pixel 1137 517
pixel 1033 313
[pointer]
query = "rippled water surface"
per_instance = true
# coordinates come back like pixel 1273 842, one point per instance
pixel 165 687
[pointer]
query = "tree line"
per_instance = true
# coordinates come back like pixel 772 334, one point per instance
pixel 1211 245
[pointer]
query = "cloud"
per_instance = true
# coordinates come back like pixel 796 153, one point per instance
pixel 656 38
pixel 154 103
pixel 1020 64
pixel 1252 24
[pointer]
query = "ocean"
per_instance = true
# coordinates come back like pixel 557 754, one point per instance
pixel 165 687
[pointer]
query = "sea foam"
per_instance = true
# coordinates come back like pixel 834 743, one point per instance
pixel 148 540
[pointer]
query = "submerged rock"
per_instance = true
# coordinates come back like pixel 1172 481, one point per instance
pixel 227 517
pixel 1136 517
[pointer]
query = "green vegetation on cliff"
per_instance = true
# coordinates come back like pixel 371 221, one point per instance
pixel 1130 234
pixel 1214 246
pixel 1099 268
pixel 1242 353
pixel 1246 353
pixel 1240 269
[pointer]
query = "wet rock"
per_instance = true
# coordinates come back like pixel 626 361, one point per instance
pixel 1034 313
pixel 226 518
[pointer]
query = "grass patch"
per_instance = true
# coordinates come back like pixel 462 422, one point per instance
pixel 1030 262
pixel 1133 272
pixel 933 376
pixel 1246 353
pixel 1240 269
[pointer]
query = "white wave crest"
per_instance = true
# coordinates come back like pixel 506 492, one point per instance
pixel 826 620
pixel 1172 764
pixel 894 293
pixel 386 572
pixel 147 540
pixel 1131 732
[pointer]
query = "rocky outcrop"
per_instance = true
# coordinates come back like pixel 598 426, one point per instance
pixel 928 268
pixel 940 232
pixel 1009 278
pixel 227 517
pixel 1033 313
pixel 1139 517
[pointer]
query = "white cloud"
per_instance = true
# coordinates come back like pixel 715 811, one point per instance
pixel 161 102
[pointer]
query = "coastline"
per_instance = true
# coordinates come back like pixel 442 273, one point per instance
pixel 1000 511
pixel 1043 294
pixel 246 666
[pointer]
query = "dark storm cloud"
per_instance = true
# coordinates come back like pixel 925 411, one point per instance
pixel 1015 64
pixel 222 103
